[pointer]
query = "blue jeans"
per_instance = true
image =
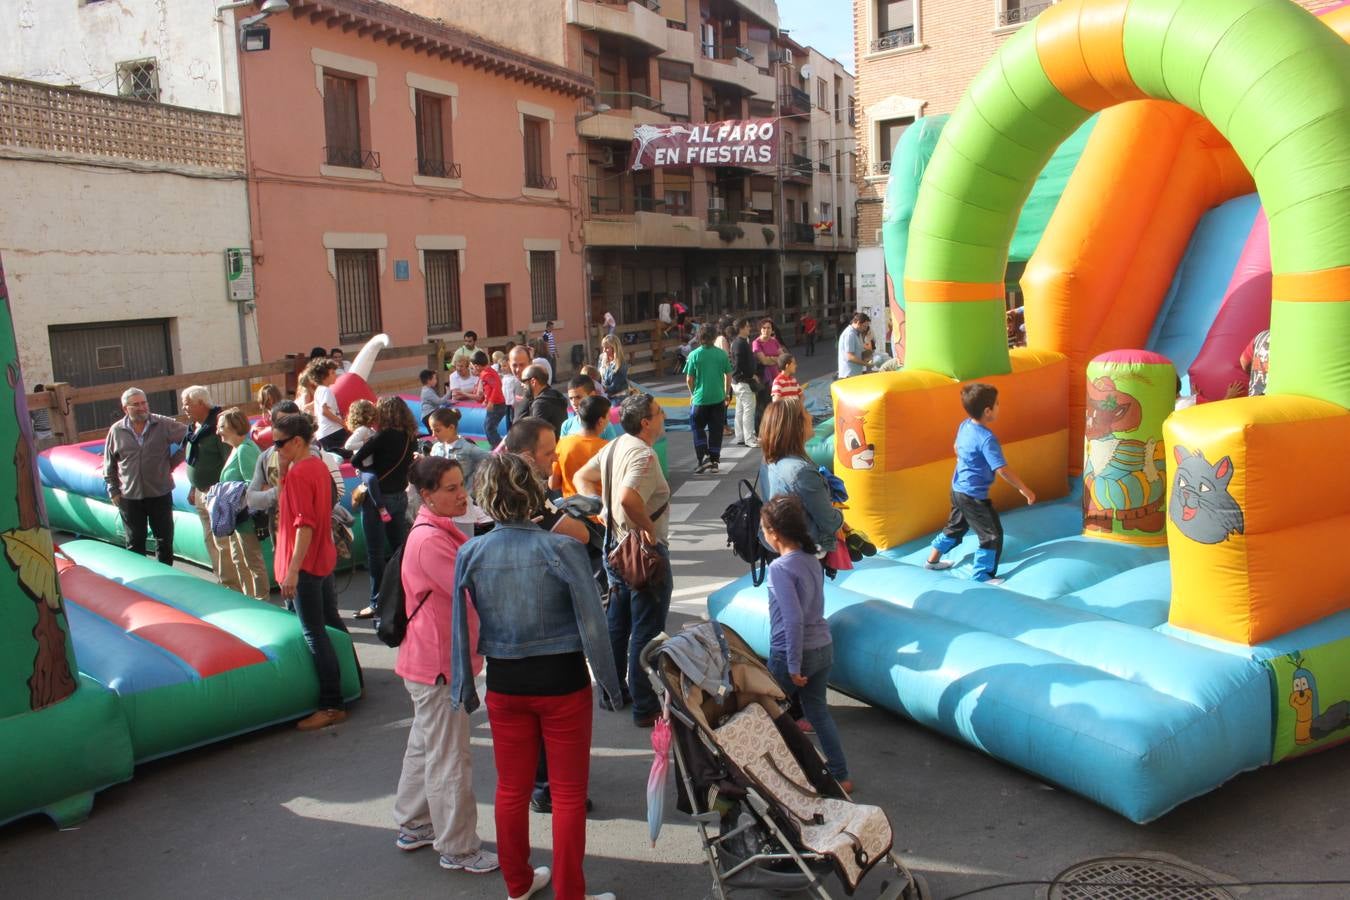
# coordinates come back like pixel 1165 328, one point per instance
pixel 373 496
pixel 377 533
pixel 816 665
pixel 708 422
pixel 316 607
pixel 496 414
pixel 635 617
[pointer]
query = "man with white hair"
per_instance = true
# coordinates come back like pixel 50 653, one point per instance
pixel 139 457
pixel 206 455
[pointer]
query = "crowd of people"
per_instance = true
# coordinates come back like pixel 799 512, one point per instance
pixel 511 565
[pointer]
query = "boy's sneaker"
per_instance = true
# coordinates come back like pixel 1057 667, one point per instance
pixel 995 582
pixel 941 565
pixel 701 467
pixel 713 468
pixel 415 838
pixel 480 862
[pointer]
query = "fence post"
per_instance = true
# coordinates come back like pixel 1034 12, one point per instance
pixel 658 349
pixel 436 359
pixel 61 400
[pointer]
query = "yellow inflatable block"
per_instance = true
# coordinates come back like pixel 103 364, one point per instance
pixel 1258 519
pixel 894 433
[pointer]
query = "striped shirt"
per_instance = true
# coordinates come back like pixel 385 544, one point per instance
pixel 785 386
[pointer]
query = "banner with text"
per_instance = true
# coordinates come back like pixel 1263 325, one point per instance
pixel 746 143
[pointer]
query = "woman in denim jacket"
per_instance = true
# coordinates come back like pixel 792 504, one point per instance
pixel 782 437
pixel 540 620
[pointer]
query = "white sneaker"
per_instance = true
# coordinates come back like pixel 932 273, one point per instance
pixel 994 582
pixel 479 862
pixel 941 565
pixel 541 876
pixel 607 895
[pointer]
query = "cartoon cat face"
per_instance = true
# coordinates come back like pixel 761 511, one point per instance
pixel 1201 507
pixel 1110 410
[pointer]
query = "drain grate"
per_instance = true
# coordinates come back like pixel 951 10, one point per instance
pixel 1134 878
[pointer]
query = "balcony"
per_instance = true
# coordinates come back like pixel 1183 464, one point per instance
pixel 793 101
pixel 894 40
pixel 438 168
pixel 882 168
pixel 797 167
pixel 654 229
pixel 800 233
pixel 764 10
pixel 633 22
pixel 720 64
pixel 823 166
pixel 352 158
pixel 618 124
pixel 1015 13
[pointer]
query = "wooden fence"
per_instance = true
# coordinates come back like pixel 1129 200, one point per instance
pixel 396 372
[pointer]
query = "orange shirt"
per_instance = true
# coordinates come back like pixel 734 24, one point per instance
pixel 574 451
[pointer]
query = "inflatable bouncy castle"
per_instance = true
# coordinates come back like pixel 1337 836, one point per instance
pixel 1162 626
pixel 108 659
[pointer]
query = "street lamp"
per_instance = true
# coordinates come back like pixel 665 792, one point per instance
pixel 598 110
pixel 253 34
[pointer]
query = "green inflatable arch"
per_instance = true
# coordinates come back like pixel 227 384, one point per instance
pixel 1266 73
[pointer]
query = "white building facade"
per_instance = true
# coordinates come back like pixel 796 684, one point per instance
pixel 179 52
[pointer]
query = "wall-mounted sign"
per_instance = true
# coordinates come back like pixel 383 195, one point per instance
pixel 746 143
pixel 239 274
pixel 400 270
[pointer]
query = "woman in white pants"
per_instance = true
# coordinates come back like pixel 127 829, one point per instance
pixel 435 805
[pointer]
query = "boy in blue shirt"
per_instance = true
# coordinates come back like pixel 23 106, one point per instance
pixel 979 457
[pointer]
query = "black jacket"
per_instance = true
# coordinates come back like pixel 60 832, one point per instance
pixel 743 365
pixel 550 406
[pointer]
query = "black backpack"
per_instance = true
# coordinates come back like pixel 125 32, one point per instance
pixel 742 521
pixel 392 613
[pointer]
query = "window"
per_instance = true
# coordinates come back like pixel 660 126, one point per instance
pixel 889 132
pixel 678 193
pixel 435 156
pixel 827 216
pixel 442 274
pixel 823 155
pixel 497 308
pixel 852 110
pixel 543 285
pixel 536 155
pixel 358 294
pixel 896 20
pixel 342 124
pixel 1016 12
pixel 822 94
pixel 138 79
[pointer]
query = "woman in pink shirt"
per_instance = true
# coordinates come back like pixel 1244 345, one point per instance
pixel 435 804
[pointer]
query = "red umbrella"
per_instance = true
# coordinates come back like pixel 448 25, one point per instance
pixel 656 780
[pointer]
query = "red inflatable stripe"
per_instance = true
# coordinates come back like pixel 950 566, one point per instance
pixel 204 647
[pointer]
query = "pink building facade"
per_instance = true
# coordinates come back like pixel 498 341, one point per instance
pixel 409 178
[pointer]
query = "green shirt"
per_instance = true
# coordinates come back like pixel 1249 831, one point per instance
pixel 239 467
pixel 709 367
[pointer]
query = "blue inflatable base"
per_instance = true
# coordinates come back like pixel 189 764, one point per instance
pixel 1068 671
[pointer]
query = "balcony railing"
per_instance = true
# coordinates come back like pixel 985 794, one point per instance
pixel 627 100
pixel 437 168
pixel 824 166
pixel 620 206
pixel 352 158
pixel 793 100
pixel 882 168
pixel 1022 12
pixel 540 182
pixel 891 40
pixel 797 166
pixel 800 233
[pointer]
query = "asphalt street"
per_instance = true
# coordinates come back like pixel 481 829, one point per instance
pixel 280 813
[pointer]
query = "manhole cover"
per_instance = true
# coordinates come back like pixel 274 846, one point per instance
pixel 1134 878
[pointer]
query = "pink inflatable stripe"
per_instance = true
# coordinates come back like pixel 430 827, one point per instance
pixel 1244 312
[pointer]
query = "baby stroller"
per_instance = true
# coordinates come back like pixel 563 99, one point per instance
pixel 770 815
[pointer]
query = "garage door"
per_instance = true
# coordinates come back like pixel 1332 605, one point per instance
pixel 97 353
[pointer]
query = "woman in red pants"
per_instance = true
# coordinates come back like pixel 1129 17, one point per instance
pixel 540 620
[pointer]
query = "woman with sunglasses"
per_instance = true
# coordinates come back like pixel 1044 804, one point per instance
pixel 305 557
